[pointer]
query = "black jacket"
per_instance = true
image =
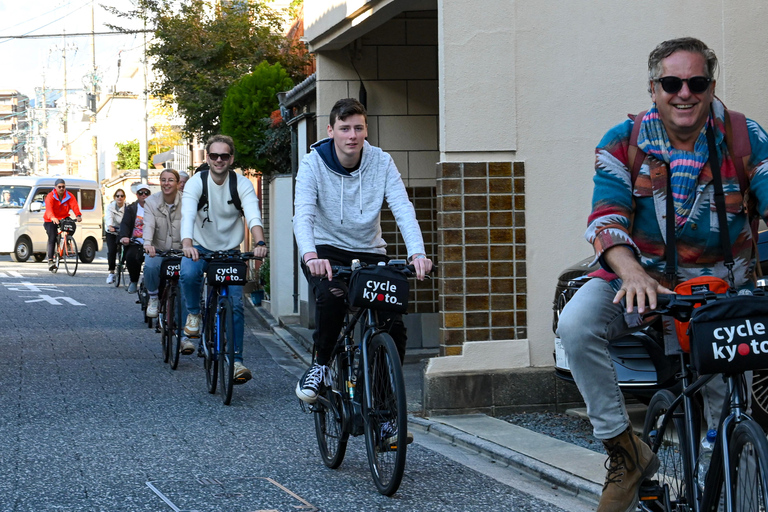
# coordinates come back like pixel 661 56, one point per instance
pixel 129 220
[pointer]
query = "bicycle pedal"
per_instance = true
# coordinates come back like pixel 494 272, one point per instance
pixel 650 490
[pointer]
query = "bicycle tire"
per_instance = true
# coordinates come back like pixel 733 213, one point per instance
pixel 388 407
pixel 210 362
pixel 57 254
pixel 71 255
pixel 748 454
pixel 163 319
pixel 172 325
pixel 672 451
pixel 120 268
pixel 329 423
pixel 225 332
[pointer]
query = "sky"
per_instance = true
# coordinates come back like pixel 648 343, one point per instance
pixel 26 61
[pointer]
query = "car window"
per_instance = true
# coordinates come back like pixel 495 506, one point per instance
pixel 13 196
pixel 41 193
pixel 87 199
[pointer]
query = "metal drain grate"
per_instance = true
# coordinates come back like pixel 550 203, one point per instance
pixel 203 494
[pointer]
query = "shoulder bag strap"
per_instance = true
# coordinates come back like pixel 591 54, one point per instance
pixel 722 218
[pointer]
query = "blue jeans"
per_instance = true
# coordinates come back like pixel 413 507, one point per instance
pixel 192 276
pixel 588 323
pixel 152 268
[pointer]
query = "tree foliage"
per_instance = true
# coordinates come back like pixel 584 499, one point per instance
pixel 129 153
pixel 198 51
pixel 245 115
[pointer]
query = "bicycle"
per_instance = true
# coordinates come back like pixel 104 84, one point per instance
pixel 365 394
pixel 737 478
pixel 169 319
pixel 225 269
pixel 66 247
pixel 120 268
pixel 142 297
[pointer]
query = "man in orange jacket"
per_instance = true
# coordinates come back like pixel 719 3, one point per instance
pixel 58 203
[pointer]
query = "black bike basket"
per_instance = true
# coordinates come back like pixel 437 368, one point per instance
pixel 67 226
pixel 730 335
pixel 230 273
pixel 379 287
pixel 171 268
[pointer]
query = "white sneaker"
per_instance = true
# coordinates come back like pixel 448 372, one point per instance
pixel 192 327
pixel 152 306
pixel 110 278
pixel 242 374
pixel 187 347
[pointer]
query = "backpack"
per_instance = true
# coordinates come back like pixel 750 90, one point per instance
pixel 737 140
pixel 235 197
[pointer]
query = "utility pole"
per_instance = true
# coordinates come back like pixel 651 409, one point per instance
pixel 143 149
pixel 93 100
pixel 45 129
pixel 67 149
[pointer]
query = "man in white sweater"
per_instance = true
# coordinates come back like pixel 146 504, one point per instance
pixel 340 188
pixel 217 227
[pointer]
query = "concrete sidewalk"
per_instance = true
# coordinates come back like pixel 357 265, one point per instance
pixel 567 466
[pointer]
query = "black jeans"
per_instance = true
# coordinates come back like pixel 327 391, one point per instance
pixel 52 230
pixel 111 251
pixel 330 304
pixel 134 257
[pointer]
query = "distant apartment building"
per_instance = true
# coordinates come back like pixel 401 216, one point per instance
pixel 13 129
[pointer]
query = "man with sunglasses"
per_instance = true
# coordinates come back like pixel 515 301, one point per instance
pixel 217 226
pixel 58 203
pixel 132 228
pixel 628 229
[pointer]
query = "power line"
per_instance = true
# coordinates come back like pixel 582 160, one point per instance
pixel 74 34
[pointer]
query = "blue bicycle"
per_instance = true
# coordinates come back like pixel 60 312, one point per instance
pixel 225 269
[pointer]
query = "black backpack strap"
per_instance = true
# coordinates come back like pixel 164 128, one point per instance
pixel 233 194
pixel 203 201
pixel 722 217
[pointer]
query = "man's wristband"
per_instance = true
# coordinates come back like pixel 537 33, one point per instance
pixel 418 257
pixel 310 259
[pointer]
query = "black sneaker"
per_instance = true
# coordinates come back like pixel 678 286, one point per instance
pixel 390 437
pixel 310 383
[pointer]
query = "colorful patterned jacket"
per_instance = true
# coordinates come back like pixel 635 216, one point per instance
pixel 634 214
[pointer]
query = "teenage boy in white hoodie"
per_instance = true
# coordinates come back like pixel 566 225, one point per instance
pixel 217 227
pixel 340 188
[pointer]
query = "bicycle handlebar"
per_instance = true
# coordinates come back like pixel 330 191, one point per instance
pixel 230 254
pixel 681 306
pixel 171 253
pixel 343 271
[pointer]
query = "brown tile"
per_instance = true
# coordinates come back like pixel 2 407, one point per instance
pixel 478 334
pixel 519 203
pixel 450 203
pixel 519 187
pixel 502 269
pixel 450 169
pixel 520 252
pixel 504 333
pixel 452 351
pixel 500 169
pixel 501 236
pixel 502 252
pixel 453 320
pixel 422 203
pixel 452 254
pixel 502 303
pixel 449 270
pixel 500 185
pixel 477 319
pixel 521 318
pixel 503 286
pixel 478 269
pixel 452 236
pixel 477 302
pixel 424 191
pixel 520 235
pixel 451 286
pixel 452 336
pixel 522 333
pixel 519 219
pixel 500 202
pixel 475 169
pixel 520 269
pixel 475 186
pixel 425 295
pixel 476 252
pixel 450 186
pixel 518 169
pixel 477 286
pixel 452 303
pixel 476 236
pixel 475 203
pixel 502 319
pixel 500 219
pixel 475 219
pixel 449 220
pixel 521 301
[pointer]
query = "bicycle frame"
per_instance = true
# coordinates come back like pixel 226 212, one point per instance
pixel 215 293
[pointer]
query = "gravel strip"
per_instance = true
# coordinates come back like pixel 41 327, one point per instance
pixel 561 426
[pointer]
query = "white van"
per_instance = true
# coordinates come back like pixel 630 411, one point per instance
pixel 22 205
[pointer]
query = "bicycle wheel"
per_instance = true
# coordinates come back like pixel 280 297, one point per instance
pixel 329 423
pixel 173 325
pixel 672 450
pixel 120 268
pixel 386 421
pixel 164 322
pixel 210 361
pixel 225 332
pixel 144 300
pixel 749 467
pixel 70 255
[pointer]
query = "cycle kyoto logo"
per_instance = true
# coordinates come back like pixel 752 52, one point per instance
pixel 738 340
pixel 172 270
pixel 228 275
pixel 381 291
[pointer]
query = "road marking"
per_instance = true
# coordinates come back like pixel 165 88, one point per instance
pixel 51 300
pixel 27 286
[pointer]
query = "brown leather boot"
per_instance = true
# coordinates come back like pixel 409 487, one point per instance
pixel 630 461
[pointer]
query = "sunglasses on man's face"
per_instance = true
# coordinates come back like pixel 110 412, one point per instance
pixel 142 193
pixel 216 156
pixel 673 84
pixel 60 187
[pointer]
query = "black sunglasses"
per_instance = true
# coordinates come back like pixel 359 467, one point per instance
pixel 673 84
pixel 119 196
pixel 142 193
pixel 216 156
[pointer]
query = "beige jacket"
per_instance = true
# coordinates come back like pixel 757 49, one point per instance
pixel 162 225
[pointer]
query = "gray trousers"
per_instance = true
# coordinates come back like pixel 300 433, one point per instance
pixel 589 321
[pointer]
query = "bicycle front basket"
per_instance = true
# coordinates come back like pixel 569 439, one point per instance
pixel 379 287
pixel 67 226
pixel 171 268
pixel 229 272
pixel 730 335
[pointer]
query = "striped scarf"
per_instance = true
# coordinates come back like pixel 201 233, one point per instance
pixel 684 166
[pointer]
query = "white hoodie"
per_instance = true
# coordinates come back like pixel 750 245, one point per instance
pixel 344 211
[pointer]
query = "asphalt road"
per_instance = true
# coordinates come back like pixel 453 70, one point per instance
pixel 92 420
